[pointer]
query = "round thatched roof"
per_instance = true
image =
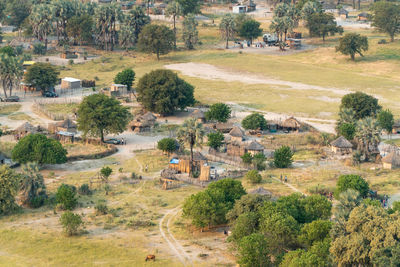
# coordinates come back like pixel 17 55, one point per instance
pixel 341 142
pixel 291 123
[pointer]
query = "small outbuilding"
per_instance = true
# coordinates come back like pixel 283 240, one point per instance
pixel 70 83
pixel 198 115
pixel 341 146
pixel 143 123
pixel 391 161
pixel 24 130
pixel 238 9
pixel 396 127
pixel 343 13
pixel 291 124
pixel 223 127
pixel 363 16
pixel 237 134
pixel 254 148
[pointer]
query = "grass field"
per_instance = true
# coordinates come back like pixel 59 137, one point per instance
pixel 62 109
pixel 8 109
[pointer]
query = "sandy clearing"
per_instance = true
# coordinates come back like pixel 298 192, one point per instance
pixel 210 72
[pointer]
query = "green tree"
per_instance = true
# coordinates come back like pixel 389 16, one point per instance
pixel 174 10
pixel 253 251
pixel 254 121
pixel 387 256
pixel 40 149
pixel 80 29
pixel 247 203
pixel 71 223
pixel 105 19
pixel 105 173
pixel 250 30
pixel 316 256
pixel 42 76
pixel 368 136
pixel 347 130
pixel 132 25
pixel 215 140
pixel 364 236
pixel 167 145
pixel 231 189
pixel 63 11
pixel 314 231
pixel 99 115
pixel 240 19
pixel 162 91
pixel 362 104
pixel 190 34
pixel 253 177
pixel 348 200
pixel 219 112
pixel 259 161
pixel 8 50
pixel 227 28
pixel 316 207
pixel 17 12
pixel 283 157
pixel 41 20
pixel 191 132
pixel 190 6
pixel 11 72
pixel 322 24
pixel 386 17
pixel 352 181
pixel 8 190
pixel 286 18
pixel 352 44
pixel 385 120
pixel 309 8
pixel 244 225
pixel 32 187
pixel 247 158
pixel 126 77
pixel 156 39
pixel 66 197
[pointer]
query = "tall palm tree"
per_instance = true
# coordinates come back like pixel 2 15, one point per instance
pixel 227 28
pixel 132 25
pixel 174 10
pixel 368 136
pixel 11 72
pixel 41 19
pixel 32 183
pixel 191 132
pixel 348 200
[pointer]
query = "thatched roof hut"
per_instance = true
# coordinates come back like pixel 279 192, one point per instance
pixel 237 134
pixel 391 161
pixel 254 148
pixel 143 123
pixel 223 127
pixel 25 129
pixel 341 145
pixel 291 124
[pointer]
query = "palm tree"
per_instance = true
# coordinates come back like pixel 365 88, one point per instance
pixel 191 132
pixel 41 19
pixel 348 200
pixel 106 18
pixel 32 183
pixel 11 72
pixel 368 136
pixel 227 28
pixel 174 10
pixel 132 25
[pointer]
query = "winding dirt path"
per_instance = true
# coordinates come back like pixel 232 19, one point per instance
pixel 290 186
pixel 173 244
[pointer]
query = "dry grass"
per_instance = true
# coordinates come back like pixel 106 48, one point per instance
pixel 20 116
pixel 79 149
pixel 8 109
pixel 62 109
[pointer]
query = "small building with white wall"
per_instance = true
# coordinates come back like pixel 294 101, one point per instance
pixel 239 9
pixel 70 83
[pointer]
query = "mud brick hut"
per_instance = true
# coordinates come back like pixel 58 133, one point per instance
pixel 143 123
pixel 391 161
pixel 341 146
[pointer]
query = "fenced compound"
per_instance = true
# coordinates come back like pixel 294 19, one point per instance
pixel 213 155
pixel 40 106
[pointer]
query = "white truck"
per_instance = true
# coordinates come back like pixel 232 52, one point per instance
pixel 270 39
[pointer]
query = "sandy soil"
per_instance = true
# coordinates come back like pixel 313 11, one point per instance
pixel 210 72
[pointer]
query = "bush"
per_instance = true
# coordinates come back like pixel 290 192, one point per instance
pixel 352 181
pixel 247 158
pixel 39 49
pixel 84 190
pixel 219 112
pixel 101 208
pixel 66 197
pixel 283 157
pixel 382 41
pixel 259 161
pixel 254 121
pixel 38 201
pixel 215 140
pixel 253 177
pixel 167 145
pixel 71 222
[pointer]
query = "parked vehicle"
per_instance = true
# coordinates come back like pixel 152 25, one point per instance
pixel 50 94
pixel 12 98
pixel 113 141
pixel 270 39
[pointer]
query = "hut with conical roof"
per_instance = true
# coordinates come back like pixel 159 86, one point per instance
pixel 291 124
pixel 341 146
pixel 143 123
pixel 391 161
pixel 254 148
pixel 25 129
pixel 198 115
pixel 236 134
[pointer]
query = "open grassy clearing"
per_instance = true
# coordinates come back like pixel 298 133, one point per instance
pixel 20 116
pixel 62 109
pixel 8 109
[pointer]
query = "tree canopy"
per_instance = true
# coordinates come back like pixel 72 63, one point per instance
pixel 250 29
pixel 163 92
pixel 352 44
pixel 219 112
pixel 40 149
pixel 215 140
pixel 386 17
pixel 362 104
pixel 283 157
pixel 254 121
pixel 156 39
pixel 8 190
pixel 167 145
pixel 99 115
pixel 190 6
pixel 42 76
pixel 125 77
pixel 385 120
pixel 322 24
pixel 352 181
